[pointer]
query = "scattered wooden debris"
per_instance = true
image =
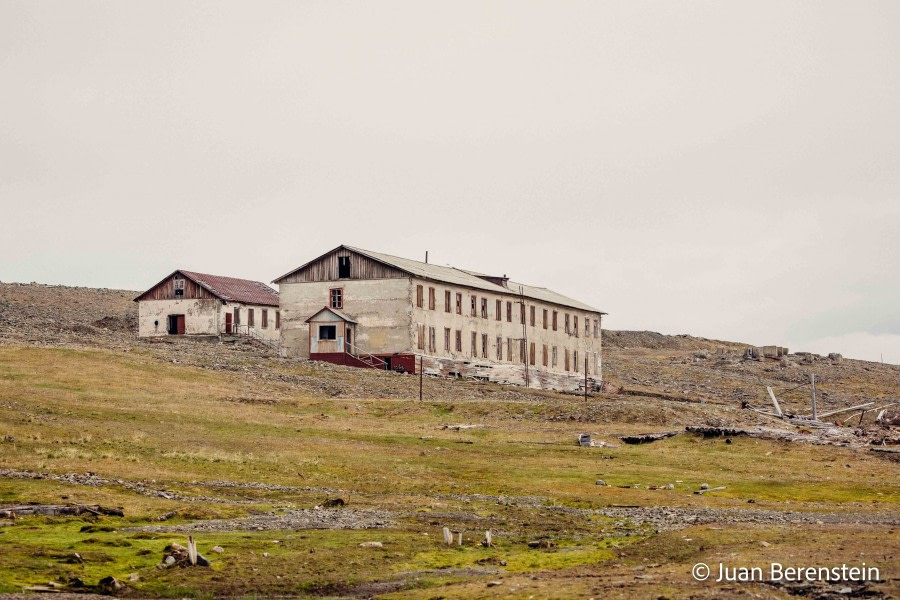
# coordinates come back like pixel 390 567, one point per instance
pixel 647 438
pixel 11 512
pixel 448 537
pixel 460 427
pixel 709 489
pixel 179 556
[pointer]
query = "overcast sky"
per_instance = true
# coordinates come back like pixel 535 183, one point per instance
pixel 725 169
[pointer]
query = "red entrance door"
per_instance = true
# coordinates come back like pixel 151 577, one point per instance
pixel 180 325
pixel 228 322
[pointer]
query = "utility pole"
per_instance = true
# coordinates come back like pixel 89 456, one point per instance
pixel 421 374
pixel 585 376
pixel 524 333
pixel 815 412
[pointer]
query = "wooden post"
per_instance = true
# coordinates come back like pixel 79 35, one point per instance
pixel 815 413
pixel 421 374
pixel 585 376
pixel 775 402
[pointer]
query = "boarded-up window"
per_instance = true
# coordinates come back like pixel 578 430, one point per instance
pixel 458 303
pixel 575 360
pixel 237 316
pixel 596 328
pixel 545 318
pixel 531 316
pixel 499 314
pixel 458 340
pixel 567 323
pixel 277 319
pixel 555 315
pixel 522 351
pixel 419 296
pixel 336 296
pixel 508 311
pixel 499 347
pixel 474 349
pixel 544 355
pixel 484 345
pixel 474 300
pixel 421 337
pixel 447 302
pixel 509 354
pixel 484 308
pixel 432 344
pixel 555 358
pixel 431 298
pixel 522 313
pixel 446 339
pixel 531 354
pixel 575 325
pixel 566 353
pixel 250 322
pixel 264 318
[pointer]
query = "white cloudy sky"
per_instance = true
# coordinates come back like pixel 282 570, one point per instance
pixel 726 169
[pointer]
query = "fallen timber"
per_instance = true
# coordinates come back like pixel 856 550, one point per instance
pixel 11 512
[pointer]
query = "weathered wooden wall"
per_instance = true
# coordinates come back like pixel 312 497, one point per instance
pixel 326 269
pixel 166 291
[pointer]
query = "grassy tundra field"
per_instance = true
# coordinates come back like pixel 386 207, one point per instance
pixel 246 452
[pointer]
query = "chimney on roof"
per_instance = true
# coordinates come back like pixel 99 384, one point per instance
pixel 426 257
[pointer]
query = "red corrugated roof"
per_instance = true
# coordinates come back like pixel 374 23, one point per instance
pixel 234 289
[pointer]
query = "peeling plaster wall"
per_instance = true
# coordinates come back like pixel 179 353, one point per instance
pixel 201 317
pixel 382 307
pixel 506 373
pixel 585 343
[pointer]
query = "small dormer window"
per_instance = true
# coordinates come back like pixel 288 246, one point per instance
pixel 179 288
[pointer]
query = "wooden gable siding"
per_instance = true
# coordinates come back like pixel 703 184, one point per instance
pixel 326 269
pixel 166 291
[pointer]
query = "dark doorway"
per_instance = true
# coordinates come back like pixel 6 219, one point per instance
pixel 343 267
pixel 176 325
pixel 349 340
pixel 228 322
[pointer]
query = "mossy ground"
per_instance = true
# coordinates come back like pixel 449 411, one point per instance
pixel 130 416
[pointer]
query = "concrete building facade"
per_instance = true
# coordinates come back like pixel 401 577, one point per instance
pixel 391 312
pixel 197 304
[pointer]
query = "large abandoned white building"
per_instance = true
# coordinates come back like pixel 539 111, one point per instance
pixel 197 304
pixel 356 307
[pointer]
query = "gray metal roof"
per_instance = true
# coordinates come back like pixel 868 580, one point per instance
pixel 466 278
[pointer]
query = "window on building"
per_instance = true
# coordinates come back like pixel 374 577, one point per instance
pixel 474 300
pixel 554 359
pixel 237 317
pixel 508 311
pixel 522 313
pixel 596 328
pixel 509 354
pixel 575 360
pixel 179 288
pixel 555 315
pixel 474 348
pixel 544 355
pixel 567 322
pixel 531 316
pixel 447 302
pixel 327 332
pixel 431 298
pixel 484 308
pixel 421 337
pixel 336 296
pixel 566 353
pixel 575 324
pixel 343 267
pixel 277 319
pixel 499 347
pixel 531 354
pixel 499 310
pixel 484 345
pixel 264 317
pixel 458 303
pixel 420 300
pixel 432 344
pixel 522 351
pixel 250 322
pixel 446 339
pixel 458 340
pixel 545 319
pixel 587 327
pixel 587 363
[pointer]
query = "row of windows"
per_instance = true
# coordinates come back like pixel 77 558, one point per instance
pixel 479 307
pixel 515 348
pixel 251 318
